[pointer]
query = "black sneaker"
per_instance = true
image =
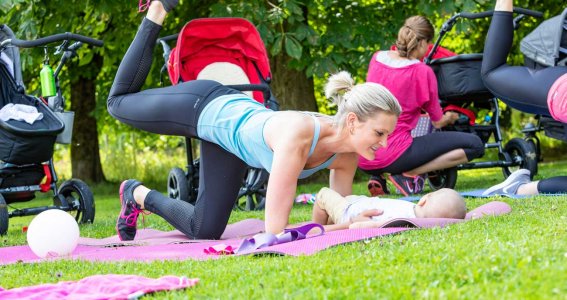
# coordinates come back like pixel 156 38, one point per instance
pixel 377 186
pixel 408 185
pixel 167 4
pixel 127 220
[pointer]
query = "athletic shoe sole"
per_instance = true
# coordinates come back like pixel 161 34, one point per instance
pixel 122 206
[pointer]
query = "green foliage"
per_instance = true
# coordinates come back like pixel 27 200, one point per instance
pixel 321 37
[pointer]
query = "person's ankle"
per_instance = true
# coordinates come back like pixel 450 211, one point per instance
pixel 156 12
pixel 504 5
pixel 140 193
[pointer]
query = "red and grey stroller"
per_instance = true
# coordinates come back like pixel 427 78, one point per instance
pixel 230 51
pixel 461 89
pixel 26 148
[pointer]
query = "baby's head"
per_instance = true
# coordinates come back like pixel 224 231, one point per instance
pixel 443 203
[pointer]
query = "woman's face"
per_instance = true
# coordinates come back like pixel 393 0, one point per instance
pixel 372 134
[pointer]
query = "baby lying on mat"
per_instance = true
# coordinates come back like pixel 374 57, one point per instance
pixel 332 208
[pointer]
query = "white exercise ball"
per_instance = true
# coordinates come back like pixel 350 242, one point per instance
pixel 53 233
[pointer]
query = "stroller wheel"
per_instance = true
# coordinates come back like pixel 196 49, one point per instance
pixel 523 155
pixel 78 195
pixel 446 178
pixel 3 216
pixel 177 186
pixel 252 194
pixel 248 201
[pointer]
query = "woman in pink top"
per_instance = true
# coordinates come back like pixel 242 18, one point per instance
pixel 415 86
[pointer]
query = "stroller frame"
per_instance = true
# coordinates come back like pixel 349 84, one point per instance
pixel 21 176
pixel 466 90
pixel 184 184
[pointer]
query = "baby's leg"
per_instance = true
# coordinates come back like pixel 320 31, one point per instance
pixel 320 216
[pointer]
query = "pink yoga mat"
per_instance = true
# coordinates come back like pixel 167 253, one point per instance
pixel 195 250
pixel 148 236
pixel 307 246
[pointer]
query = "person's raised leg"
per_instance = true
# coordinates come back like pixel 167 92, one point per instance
pixel 135 65
pixel 171 110
pixel 499 37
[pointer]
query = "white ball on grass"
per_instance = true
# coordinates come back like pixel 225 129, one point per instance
pixel 53 233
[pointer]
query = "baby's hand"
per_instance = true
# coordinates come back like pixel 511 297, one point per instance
pixel 366 224
pixel 367 215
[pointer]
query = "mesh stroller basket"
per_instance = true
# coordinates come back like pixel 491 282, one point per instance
pixel 20 142
pixel 459 79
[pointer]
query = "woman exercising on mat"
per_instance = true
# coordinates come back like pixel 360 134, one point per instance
pixel 237 131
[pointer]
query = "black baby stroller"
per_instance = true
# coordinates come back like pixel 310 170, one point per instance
pixel 461 89
pixel 26 149
pixel 546 46
pixel 230 51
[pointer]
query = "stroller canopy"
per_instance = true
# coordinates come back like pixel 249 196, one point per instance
pixel 547 44
pixel 10 57
pixel 202 42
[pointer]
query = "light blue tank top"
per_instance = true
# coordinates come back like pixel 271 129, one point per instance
pixel 236 123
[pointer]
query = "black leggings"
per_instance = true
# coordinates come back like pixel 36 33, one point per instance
pixel 428 147
pixel 520 87
pixel 553 185
pixel 175 110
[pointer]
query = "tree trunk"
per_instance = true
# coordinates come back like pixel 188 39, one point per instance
pixel 291 87
pixel 85 156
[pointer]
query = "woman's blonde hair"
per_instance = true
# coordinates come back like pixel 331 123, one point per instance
pixel 363 99
pixel 415 29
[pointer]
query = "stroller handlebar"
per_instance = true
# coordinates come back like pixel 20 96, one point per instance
pixel 448 25
pixel 489 13
pixel 529 12
pixel 50 39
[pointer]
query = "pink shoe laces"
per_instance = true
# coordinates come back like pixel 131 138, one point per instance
pixel 142 7
pixel 132 219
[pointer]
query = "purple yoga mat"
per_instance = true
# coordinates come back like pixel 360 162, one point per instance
pixel 195 250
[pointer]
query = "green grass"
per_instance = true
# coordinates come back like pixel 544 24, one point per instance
pixel 522 255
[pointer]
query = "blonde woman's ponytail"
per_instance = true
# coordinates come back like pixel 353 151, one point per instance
pixel 338 86
pixel 364 99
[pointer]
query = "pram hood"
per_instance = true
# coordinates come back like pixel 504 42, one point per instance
pixel 208 40
pixel 545 43
pixel 10 57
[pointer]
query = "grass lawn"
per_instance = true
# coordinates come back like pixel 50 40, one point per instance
pixel 522 255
